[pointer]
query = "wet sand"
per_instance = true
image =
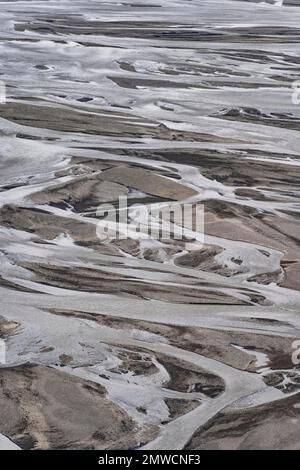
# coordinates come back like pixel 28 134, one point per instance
pixel 156 343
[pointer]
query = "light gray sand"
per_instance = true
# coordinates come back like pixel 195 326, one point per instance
pixel 149 343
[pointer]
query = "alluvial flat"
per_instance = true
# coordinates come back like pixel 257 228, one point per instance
pixel 149 342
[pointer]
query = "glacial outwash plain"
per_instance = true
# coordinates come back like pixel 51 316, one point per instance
pixel 149 343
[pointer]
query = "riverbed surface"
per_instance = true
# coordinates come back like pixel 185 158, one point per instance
pixel 149 342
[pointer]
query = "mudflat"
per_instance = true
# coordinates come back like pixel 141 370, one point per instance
pixel 149 342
